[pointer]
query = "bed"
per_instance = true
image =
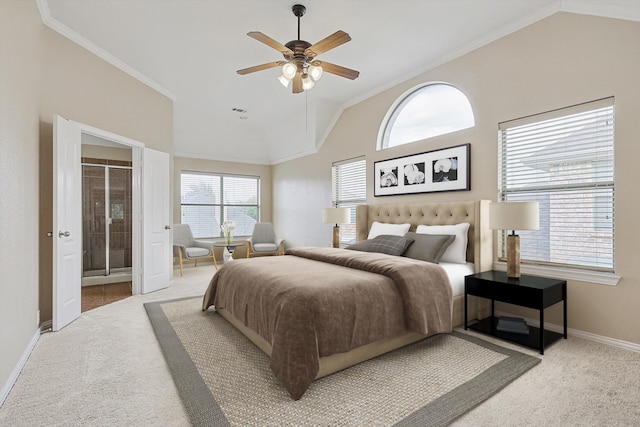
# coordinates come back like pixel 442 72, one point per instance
pixel 316 311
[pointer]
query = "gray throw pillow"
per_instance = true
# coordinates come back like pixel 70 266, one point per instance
pixel 384 244
pixel 428 247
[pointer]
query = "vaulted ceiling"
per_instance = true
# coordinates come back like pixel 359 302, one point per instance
pixel 190 50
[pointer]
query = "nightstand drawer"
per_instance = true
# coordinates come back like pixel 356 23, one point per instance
pixel 527 291
pixel 526 297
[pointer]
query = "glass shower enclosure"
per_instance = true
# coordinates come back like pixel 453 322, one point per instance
pixel 106 218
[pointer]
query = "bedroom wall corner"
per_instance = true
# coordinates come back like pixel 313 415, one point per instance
pixel 181 164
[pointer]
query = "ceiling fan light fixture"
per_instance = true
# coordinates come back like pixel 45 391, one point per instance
pixel 300 64
pixel 315 72
pixel 284 81
pixel 307 83
pixel 289 70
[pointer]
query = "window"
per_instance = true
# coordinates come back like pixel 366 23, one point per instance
pixel 349 184
pixel 423 112
pixel 563 159
pixel 206 200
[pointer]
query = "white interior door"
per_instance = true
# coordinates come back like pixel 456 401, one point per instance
pixel 157 231
pixel 67 222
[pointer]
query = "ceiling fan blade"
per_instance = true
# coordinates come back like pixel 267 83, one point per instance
pixel 260 67
pixel 337 69
pixel 297 83
pixel 270 42
pixel 334 40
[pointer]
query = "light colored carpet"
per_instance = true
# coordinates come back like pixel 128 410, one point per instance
pixel 428 383
pixel 107 369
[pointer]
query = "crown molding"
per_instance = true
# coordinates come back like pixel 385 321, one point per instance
pixel 59 27
pixel 628 10
pixel 503 31
pixel 619 9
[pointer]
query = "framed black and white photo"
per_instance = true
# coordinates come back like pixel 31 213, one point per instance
pixel 440 170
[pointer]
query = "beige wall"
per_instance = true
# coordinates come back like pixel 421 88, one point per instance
pixel 20 67
pixel 80 86
pixel 181 164
pixel 44 74
pixel 562 60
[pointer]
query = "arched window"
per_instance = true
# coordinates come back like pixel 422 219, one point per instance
pixel 425 111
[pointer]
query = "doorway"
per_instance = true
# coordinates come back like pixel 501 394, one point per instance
pixel 151 244
pixel 106 222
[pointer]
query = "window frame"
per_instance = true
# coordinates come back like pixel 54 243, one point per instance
pixel 222 206
pixel 348 202
pixel 396 110
pixel 593 273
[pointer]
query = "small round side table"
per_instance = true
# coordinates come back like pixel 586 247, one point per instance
pixel 227 255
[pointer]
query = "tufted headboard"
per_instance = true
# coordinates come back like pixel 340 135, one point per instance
pixel 475 212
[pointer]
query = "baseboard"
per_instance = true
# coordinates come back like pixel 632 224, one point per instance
pixel 627 345
pixel 6 388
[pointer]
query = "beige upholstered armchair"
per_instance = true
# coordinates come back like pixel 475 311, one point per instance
pixel 263 241
pixel 185 247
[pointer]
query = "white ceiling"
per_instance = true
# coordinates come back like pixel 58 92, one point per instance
pixel 189 50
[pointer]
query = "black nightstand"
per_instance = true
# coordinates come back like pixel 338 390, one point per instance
pixel 526 291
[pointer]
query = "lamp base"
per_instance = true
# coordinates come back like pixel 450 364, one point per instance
pixel 336 236
pixel 513 256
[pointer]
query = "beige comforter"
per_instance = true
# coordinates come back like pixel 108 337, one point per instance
pixel 314 302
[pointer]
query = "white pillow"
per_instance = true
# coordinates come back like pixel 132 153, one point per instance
pixel 457 251
pixel 378 228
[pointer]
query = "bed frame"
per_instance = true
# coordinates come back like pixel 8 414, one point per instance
pixel 479 252
pixel 480 236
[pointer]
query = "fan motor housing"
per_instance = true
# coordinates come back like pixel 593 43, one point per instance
pixel 298 47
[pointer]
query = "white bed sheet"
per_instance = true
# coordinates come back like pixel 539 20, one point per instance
pixel 456 274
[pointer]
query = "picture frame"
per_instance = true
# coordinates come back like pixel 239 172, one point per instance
pixel 446 169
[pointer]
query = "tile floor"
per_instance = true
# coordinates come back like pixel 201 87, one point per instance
pixel 98 295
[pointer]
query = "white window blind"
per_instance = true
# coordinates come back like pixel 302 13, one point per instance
pixel 564 160
pixel 207 200
pixel 349 186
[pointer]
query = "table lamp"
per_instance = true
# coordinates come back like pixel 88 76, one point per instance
pixel 336 216
pixel 513 216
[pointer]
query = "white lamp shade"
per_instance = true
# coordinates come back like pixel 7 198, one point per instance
pixel 289 70
pixel 307 83
pixel 514 216
pixel 284 81
pixel 336 215
pixel 315 71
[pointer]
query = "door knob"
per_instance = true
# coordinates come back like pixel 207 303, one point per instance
pixel 62 234
pixel 167 227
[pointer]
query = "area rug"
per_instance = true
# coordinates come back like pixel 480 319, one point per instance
pixel 224 379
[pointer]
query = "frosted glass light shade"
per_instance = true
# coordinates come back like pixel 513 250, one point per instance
pixel 514 216
pixel 315 72
pixel 336 215
pixel 289 70
pixel 285 81
pixel 307 83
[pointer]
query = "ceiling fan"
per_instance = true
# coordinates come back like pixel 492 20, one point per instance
pixel 301 65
